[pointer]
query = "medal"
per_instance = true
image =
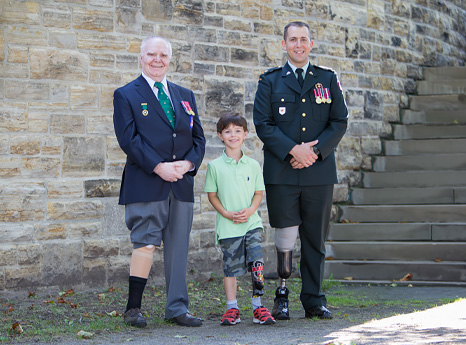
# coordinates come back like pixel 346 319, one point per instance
pixel 189 111
pixel 317 96
pixel 318 93
pixel 327 95
pixel 144 109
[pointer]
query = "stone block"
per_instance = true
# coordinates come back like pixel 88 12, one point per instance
pixel 17 55
pixel 210 53
pixel 125 61
pixel 57 16
pixel 26 36
pixel 8 255
pixel 51 145
pixel 94 272
pixel 10 166
pixel 106 98
pixel 84 97
pixel 244 57
pixel 27 90
pixel 40 167
pixel 102 188
pixel 22 201
pixel 189 11
pixel 67 124
pixel 96 20
pixel 216 21
pixel 114 152
pixel 228 9
pixel 30 254
pixel 27 13
pixel 74 210
pixel 2 44
pixel 118 270
pixel 129 20
pixel 114 218
pixel 349 153
pixel 80 230
pixel 371 145
pixel 59 64
pixel 102 60
pixel 63 264
pixel 101 42
pixel 223 95
pixel 95 248
pixel 238 24
pixel 23 277
pixel 83 156
pixel 204 221
pixel 50 231
pixel 25 145
pixel 157 11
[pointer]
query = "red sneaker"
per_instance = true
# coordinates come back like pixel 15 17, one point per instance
pixel 263 316
pixel 231 317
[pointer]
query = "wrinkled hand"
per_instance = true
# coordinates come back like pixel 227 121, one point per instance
pixel 183 166
pixel 242 216
pixel 303 155
pixel 168 171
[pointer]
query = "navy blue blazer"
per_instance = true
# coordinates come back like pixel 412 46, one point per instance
pixel 146 136
pixel 286 114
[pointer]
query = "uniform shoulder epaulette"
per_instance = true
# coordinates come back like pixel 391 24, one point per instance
pixel 325 68
pixel 273 69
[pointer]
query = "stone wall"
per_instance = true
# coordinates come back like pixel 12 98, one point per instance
pixel 60 164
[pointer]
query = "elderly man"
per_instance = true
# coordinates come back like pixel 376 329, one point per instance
pixel 157 125
pixel 300 116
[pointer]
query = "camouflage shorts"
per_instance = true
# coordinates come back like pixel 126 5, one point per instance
pixel 239 251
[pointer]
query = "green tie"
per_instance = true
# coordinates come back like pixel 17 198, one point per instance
pixel 166 104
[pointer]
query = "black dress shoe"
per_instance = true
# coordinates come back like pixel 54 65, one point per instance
pixel 187 320
pixel 319 311
pixel 133 317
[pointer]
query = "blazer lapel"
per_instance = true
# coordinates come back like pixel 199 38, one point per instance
pixel 143 88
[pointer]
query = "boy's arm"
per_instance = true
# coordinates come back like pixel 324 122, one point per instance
pixel 243 215
pixel 215 201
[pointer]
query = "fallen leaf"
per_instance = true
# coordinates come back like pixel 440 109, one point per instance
pixel 348 278
pixel 114 314
pixel 61 300
pixel 101 296
pixel 86 315
pixel 438 260
pixel 111 289
pixel 75 305
pixel 407 277
pixel 84 334
pixel 345 221
pixel 181 336
pixel 50 301
pixel 67 293
pixel 10 309
pixel 16 327
pixel 330 258
pixel 32 294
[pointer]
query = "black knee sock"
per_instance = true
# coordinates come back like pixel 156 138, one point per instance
pixel 136 289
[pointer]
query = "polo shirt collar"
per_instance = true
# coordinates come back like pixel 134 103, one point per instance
pixel 231 160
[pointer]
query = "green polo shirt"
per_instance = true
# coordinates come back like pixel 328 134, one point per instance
pixel 235 184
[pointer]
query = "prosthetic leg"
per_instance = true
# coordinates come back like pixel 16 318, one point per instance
pixel 284 265
pixel 256 268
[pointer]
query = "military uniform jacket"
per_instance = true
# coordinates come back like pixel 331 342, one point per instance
pixel 286 114
pixel 147 137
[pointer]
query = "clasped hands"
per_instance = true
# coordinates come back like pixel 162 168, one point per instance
pixel 241 216
pixel 303 155
pixel 173 171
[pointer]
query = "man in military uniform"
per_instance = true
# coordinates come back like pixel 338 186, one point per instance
pixel 300 115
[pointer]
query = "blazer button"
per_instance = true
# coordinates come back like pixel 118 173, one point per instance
pixel 304 114
pixel 174 156
pixel 283 100
pixel 304 129
pixel 303 100
pixel 174 135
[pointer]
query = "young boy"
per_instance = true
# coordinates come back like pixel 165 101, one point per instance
pixel 234 185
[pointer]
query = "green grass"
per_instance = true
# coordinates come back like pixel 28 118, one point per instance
pixel 45 318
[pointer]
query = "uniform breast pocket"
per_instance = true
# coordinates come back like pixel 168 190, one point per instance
pixel 320 110
pixel 283 107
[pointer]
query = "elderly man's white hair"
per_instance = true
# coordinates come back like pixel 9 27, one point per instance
pixel 147 39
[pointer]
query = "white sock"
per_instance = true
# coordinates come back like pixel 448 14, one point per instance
pixel 232 304
pixel 256 303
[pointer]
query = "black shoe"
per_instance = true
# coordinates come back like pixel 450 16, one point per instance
pixel 319 311
pixel 187 320
pixel 280 309
pixel 133 317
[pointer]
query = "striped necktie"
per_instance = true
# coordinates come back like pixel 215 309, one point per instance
pixel 166 104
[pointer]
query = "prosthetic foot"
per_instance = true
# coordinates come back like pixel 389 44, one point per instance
pixel 284 264
pixel 256 268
